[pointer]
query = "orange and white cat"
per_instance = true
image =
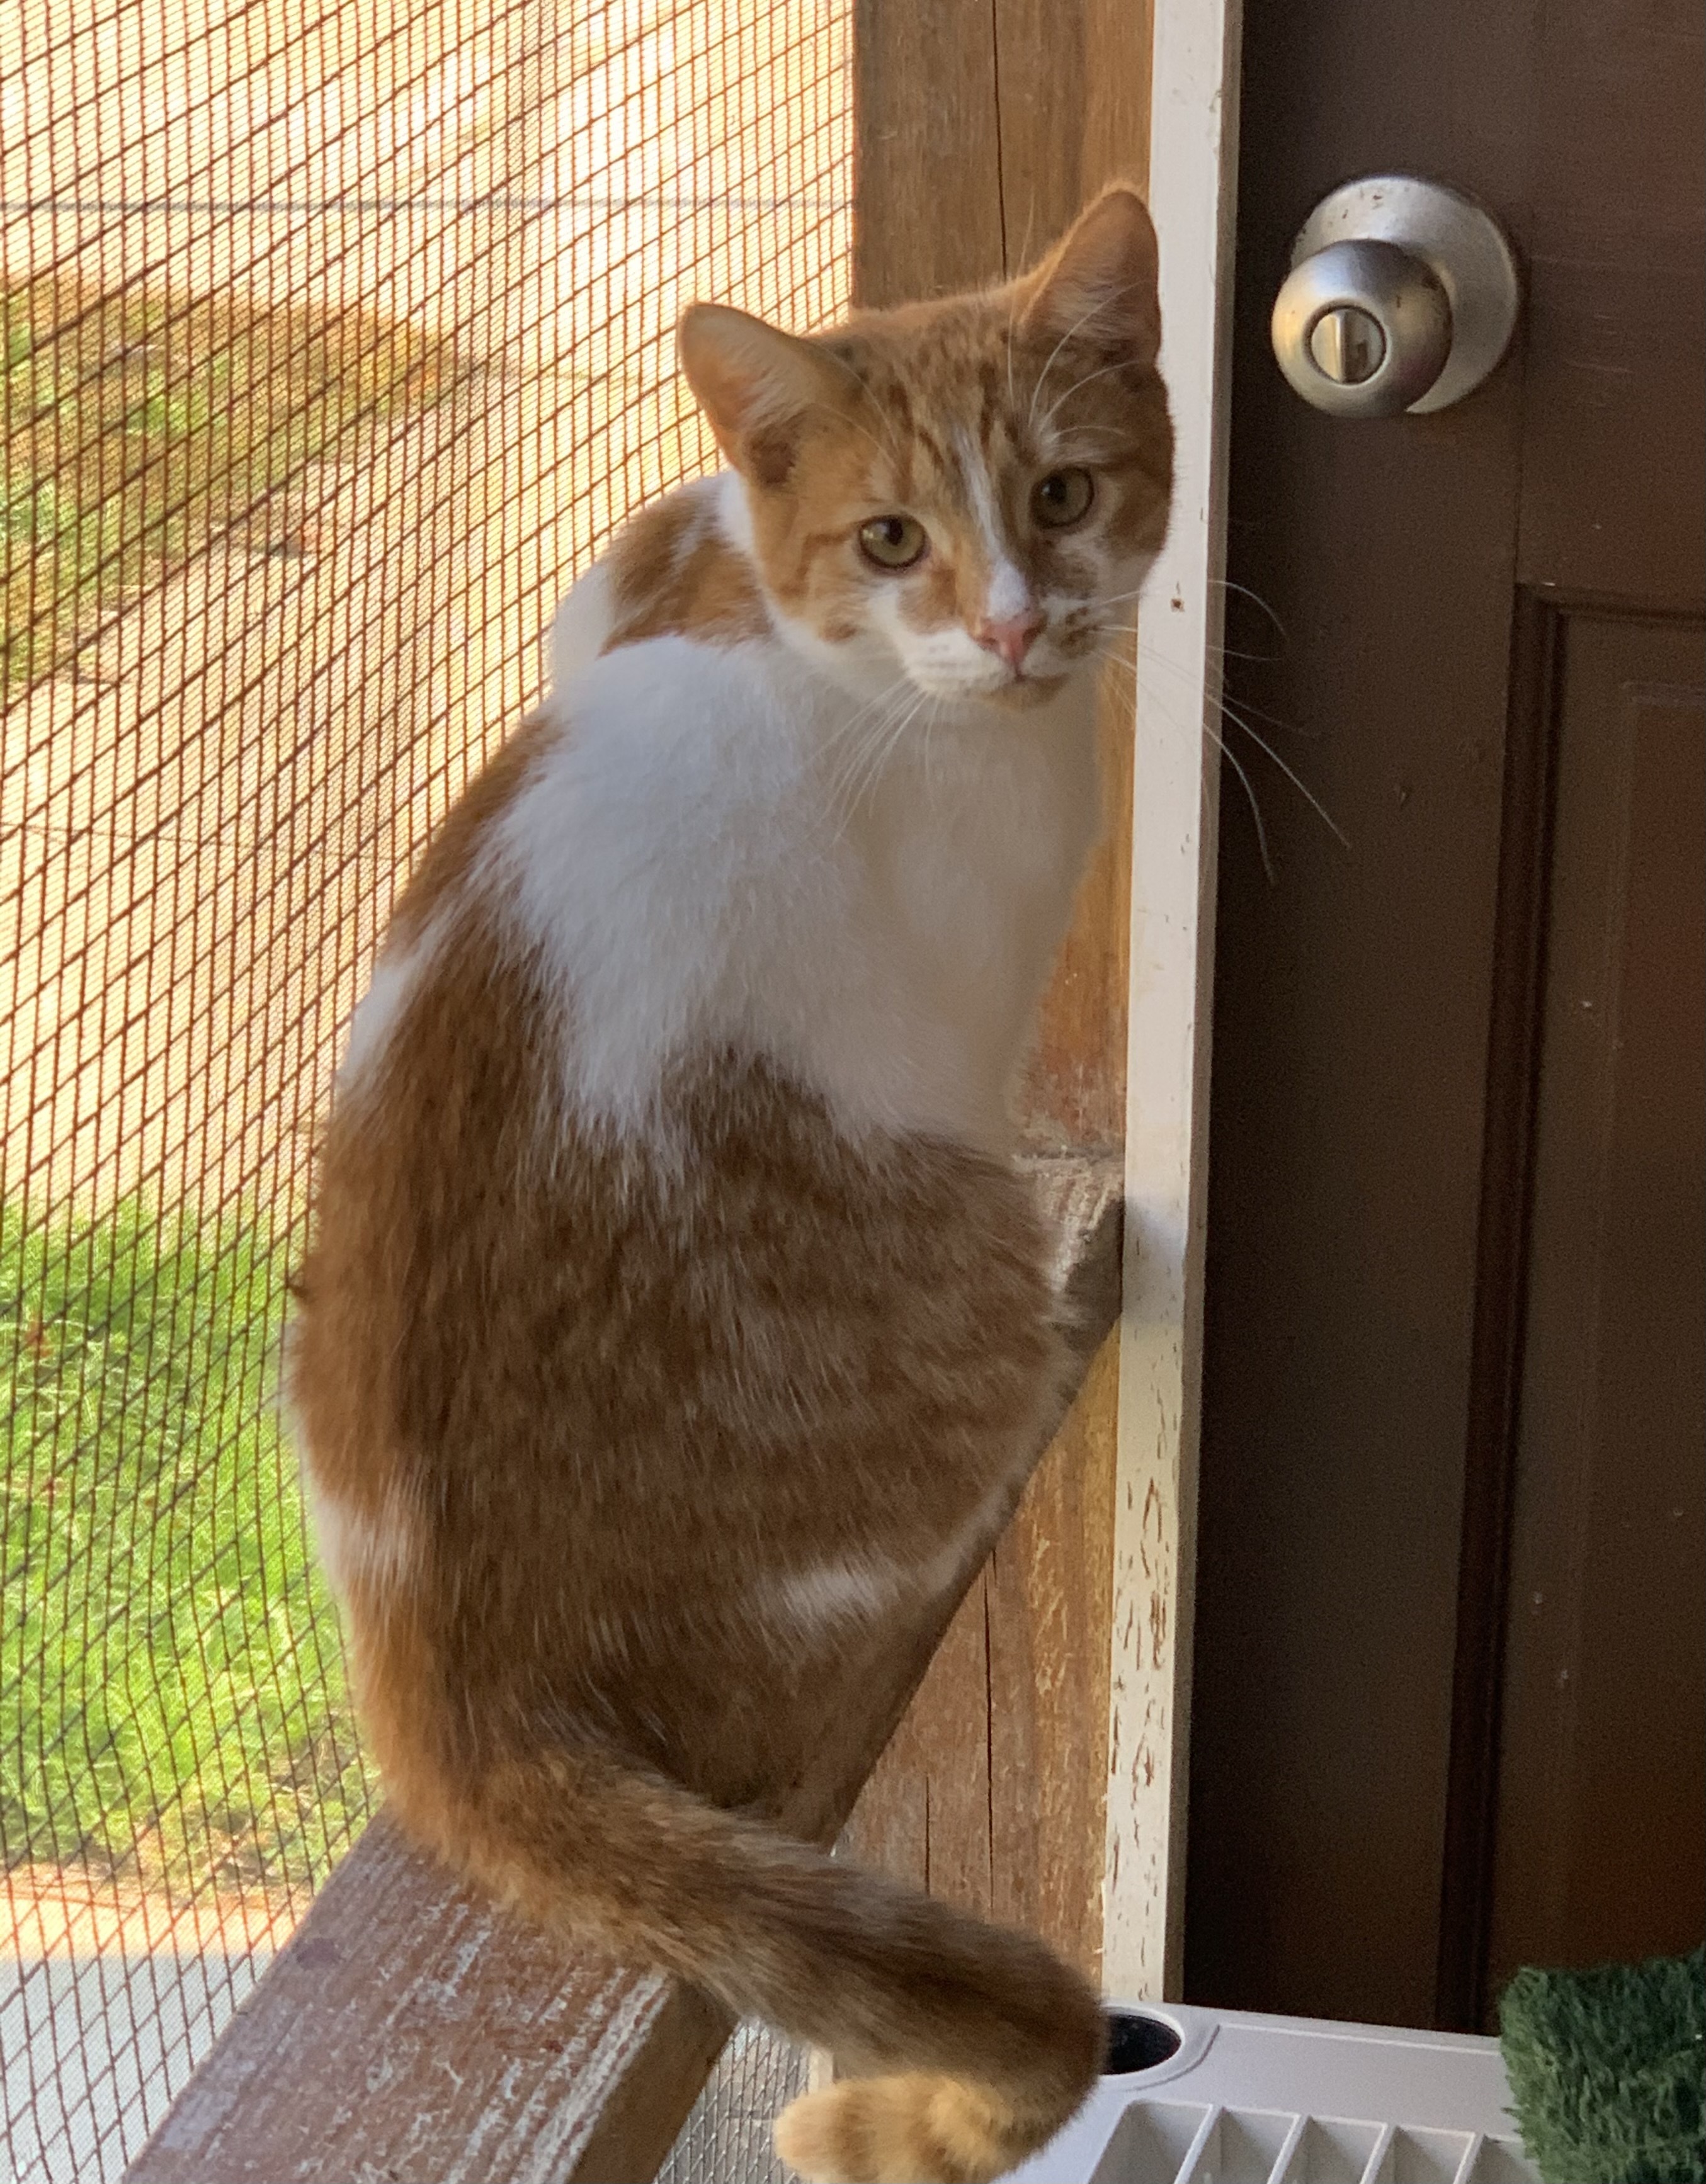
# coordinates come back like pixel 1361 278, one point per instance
pixel 675 1319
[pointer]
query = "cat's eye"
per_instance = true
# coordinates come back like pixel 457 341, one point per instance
pixel 1061 497
pixel 892 541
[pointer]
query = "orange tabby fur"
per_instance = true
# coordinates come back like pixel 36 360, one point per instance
pixel 571 1397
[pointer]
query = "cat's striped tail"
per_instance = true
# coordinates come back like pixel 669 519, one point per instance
pixel 965 2046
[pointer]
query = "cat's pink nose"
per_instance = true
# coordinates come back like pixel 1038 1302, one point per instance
pixel 1011 638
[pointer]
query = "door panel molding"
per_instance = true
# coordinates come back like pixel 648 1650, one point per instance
pixel 1496 1353
pixel 1542 621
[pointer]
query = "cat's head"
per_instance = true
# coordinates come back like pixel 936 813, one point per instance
pixel 969 493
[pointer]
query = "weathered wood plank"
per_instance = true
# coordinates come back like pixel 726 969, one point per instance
pixel 982 126
pixel 1072 97
pixel 1050 1584
pixel 1000 1806
pixel 411 2031
pixel 927 183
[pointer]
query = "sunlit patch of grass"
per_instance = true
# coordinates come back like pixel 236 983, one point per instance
pixel 133 430
pixel 172 1702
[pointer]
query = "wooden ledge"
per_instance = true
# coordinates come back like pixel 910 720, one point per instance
pixel 410 2030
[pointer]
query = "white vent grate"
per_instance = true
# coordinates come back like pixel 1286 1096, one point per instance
pixel 1231 2098
pixel 1187 2142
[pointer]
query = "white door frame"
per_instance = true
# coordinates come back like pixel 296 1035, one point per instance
pixel 1193 196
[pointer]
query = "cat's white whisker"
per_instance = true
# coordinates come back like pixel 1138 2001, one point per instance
pixel 1103 298
pixel 1077 387
pixel 1120 660
pixel 1295 779
pixel 878 704
pixel 1216 651
pixel 1235 709
pixel 930 720
pixel 1227 584
pixel 1154 659
pixel 882 746
pixel 866 733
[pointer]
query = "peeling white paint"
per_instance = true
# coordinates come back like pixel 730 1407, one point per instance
pixel 1192 195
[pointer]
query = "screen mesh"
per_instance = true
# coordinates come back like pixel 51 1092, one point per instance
pixel 336 342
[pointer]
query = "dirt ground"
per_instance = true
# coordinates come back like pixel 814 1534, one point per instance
pixel 46 1913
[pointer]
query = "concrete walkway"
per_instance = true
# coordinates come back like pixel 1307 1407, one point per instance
pixel 93 2047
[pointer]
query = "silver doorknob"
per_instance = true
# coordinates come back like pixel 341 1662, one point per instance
pixel 1402 295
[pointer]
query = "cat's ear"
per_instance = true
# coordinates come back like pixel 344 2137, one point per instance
pixel 755 384
pixel 1099 281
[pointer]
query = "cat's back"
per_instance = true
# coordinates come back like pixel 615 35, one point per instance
pixel 545 1349
pixel 611 793
pixel 681 567
pixel 651 1006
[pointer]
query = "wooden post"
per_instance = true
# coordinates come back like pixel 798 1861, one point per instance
pixel 982 126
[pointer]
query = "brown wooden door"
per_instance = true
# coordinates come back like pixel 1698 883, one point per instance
pixel 1448 1711
pixel 1598 1844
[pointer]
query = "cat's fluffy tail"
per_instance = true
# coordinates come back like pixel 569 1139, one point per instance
pixel 971 2044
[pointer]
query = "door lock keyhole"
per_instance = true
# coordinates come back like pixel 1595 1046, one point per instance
pixel 1402 295
pixel 1347 344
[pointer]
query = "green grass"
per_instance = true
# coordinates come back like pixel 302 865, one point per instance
pixel 171 1694
pixel 133 430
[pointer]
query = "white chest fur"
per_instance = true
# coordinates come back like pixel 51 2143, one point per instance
pixel 727 844
pixel 711 852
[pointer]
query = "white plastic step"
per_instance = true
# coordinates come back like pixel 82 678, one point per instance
pixel 1223 2097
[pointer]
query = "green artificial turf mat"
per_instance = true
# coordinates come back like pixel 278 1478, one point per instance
pixel 1605 2070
